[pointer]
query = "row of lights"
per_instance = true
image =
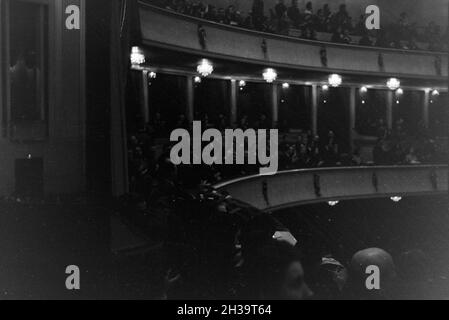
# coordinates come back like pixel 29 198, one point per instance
pixel 205 68
pixel 399 91
pixel 335 202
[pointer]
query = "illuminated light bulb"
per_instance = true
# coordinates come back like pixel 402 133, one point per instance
pixel 399 91
pixel 197 79
pixel 325 87
pixel 393 83
pixel 152 75
pixel 335 80
pixel 137 56
pixel 396 199
pixel 435 93
pixel 242 83
pixel 270 75
pixel 364 89
pixel 205 68
pixel 285 85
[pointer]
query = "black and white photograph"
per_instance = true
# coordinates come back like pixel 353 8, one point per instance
pixel 223 151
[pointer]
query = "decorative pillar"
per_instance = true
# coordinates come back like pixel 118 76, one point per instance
pixel 145 108
pixel 233 104
pixel 352 116
pixel 190 96
pixel 274 105
pixel 314 109
pixel 389 115
pixel 425 111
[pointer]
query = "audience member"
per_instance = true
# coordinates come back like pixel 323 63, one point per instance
pixel 400 35
pixel 294 14
pixel 379 258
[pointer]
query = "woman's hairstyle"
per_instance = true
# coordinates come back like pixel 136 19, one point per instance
pixel 265 267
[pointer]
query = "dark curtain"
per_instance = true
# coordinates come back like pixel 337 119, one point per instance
pixel 125 33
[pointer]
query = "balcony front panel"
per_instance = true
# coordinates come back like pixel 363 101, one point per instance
pixel 178 32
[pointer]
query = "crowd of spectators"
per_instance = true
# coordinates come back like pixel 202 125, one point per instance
pixel 309 151
pixel 403 34
pixel 218 248
pixel 404 146
pixel 297 149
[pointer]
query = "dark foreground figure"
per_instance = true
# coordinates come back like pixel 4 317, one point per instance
pixel 215 247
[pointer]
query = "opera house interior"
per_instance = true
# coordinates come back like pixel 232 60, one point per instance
pixel 361 117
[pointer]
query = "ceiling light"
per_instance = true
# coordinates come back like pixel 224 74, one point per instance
pixel 335 80
pixel 197 79
pixel 393 84
pixel 205 68
pixel 396 199
pixel 137 56
pixel 270 75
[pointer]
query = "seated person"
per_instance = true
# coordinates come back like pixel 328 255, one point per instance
pixel 358 277
pixel 365 40
pixel 411 157
pixel 337 36
pixel 275 272
pixel 346 38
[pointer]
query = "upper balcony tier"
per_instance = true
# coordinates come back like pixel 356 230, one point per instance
pixel 169 30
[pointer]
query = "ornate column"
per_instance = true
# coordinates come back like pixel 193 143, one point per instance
pixel 425 110
pixel 314 104
pixel 274 105
pixel 352 115
pixel 190 96
pixel 233 103
pixel 145 107
pixel 389 115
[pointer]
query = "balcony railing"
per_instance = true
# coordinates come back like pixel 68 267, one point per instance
pixel 167 29
pixel 291 188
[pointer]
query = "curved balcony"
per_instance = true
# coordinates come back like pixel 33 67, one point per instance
pixel 292 188
pixel 169 30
